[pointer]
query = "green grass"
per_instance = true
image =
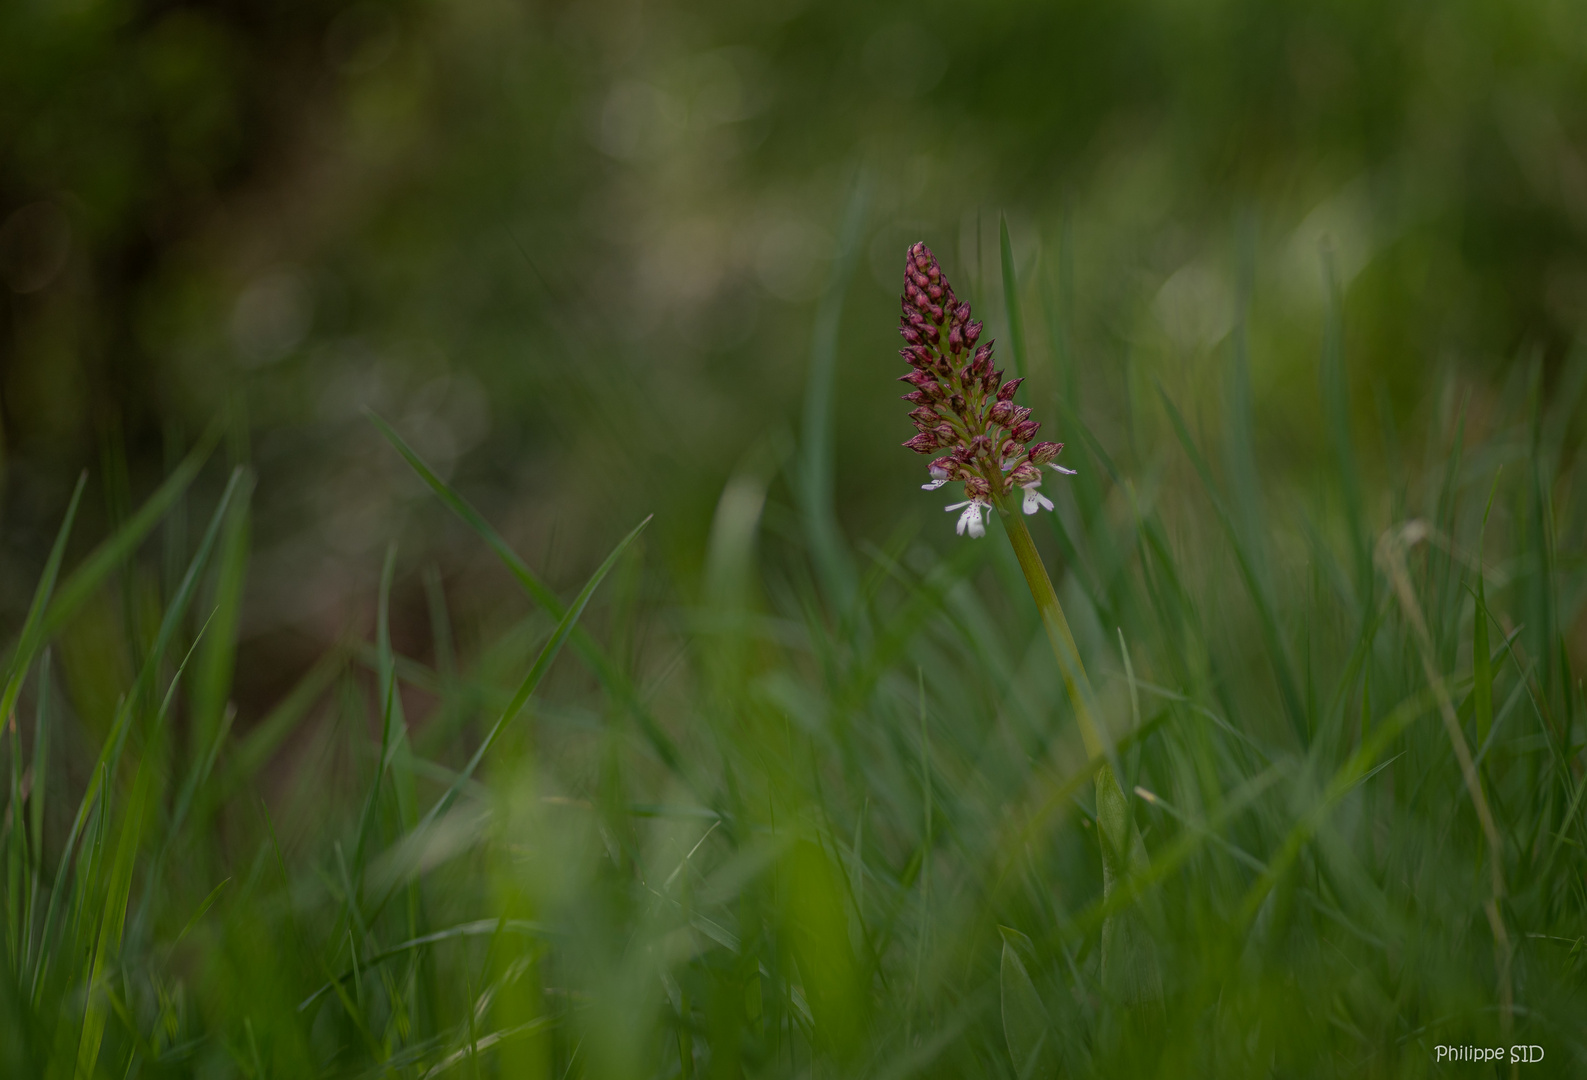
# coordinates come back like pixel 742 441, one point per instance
pixel 827 813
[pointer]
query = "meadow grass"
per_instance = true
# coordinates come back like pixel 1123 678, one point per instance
pixel 827 812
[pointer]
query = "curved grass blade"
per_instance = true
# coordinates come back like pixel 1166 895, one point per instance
pixel 609 674
pixel 91 573
pixel 542 664
pixel 33 626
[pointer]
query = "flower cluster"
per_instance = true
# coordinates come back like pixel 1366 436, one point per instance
pixel 962 405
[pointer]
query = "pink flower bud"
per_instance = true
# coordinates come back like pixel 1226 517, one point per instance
pixel 1021 414
pixel 957 404
pixel 990 380
pixel 977 488
pixel 925 415
pixel 917 397
pixel 1025 473
pixel 935 292
pixel 922 443
pixel 1043 452
pixel 956 340
pixel 1006 391
pixel 932 334
pixel 922 302
pixel 918 379
pixel 1002 414
pixel 961 314
pixel 972 331
pixel 1026 431
pixel 910 334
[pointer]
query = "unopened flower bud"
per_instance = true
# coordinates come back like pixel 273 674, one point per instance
pixel 956 340
pixel 990 380
pixel 1006 391
pixel 1002 414
pixel 922 302
pixel 924 443
pixel 1026 430
pixel 957 404
pixel 977 488
pixel 1025 473
pixel 1043 452
pixel 1021 414
pixel 924 415
pixel 961 314
pixel 918 379
pixel 932 334
pixel 910 334
pixel 972 332
pixel 918 397
pixel 935 292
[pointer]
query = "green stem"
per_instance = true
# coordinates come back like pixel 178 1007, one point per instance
pixel 1076 684
pixel 1129 964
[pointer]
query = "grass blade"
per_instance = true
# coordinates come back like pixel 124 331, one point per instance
pixel 610 675
pixel 815 465
pixel 1016 322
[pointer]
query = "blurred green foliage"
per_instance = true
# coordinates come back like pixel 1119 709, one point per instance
pixel 575 246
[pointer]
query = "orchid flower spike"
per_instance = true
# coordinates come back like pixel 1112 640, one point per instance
pixel 962 405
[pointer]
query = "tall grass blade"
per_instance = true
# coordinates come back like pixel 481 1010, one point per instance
pixel 1336 409
pixel 815 485
pixel 542 664
pixel 83 582
pixel 611 676
pixel 213 667
pixel 1278 651
pixel 33 626
pixel 112 919
pixel 1016 321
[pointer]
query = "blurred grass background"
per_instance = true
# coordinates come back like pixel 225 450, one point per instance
pixel 590 259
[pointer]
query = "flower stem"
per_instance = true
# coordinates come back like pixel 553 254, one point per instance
pixel 1129 961
pixel 1076 684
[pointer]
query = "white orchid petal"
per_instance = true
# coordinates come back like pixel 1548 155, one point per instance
pixel 971 520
